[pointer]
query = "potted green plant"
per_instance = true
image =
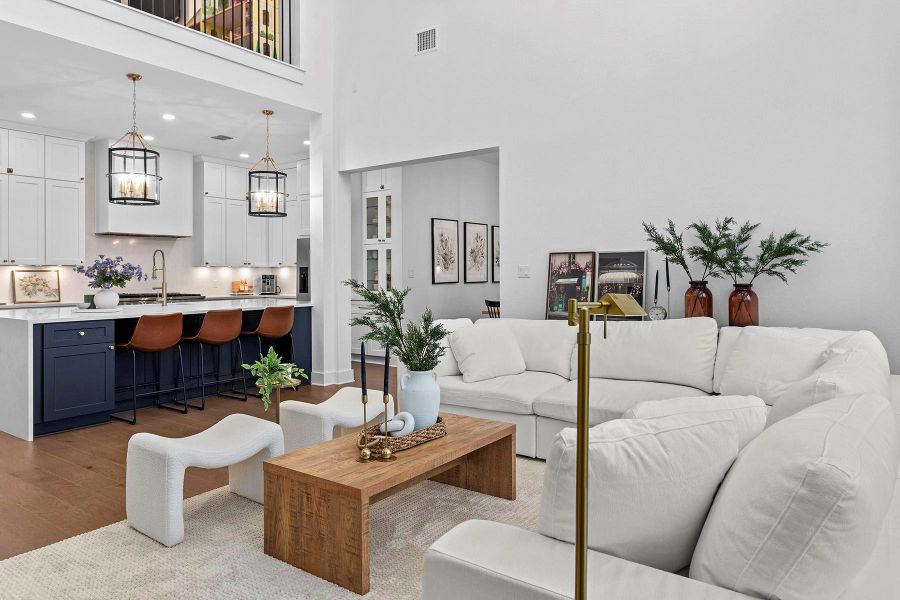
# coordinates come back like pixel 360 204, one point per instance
pixel 417 346
pixel 775 257
pixel 711 240
pixel 272 374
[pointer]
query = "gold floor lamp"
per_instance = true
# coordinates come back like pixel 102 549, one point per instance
pixel 580 313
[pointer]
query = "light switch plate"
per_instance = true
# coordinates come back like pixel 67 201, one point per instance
pixel 524 271
pixel 411 274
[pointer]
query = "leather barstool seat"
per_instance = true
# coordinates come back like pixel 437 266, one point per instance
pixel 155 334
pixel 219 327
pixel 275 323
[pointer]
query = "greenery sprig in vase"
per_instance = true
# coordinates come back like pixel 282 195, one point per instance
pixel 272 374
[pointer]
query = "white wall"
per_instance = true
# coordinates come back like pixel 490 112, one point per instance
pixel 609 113
pixel 465 189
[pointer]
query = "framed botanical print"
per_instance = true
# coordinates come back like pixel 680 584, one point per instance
pixel 35 286
pixel 444 251
pixel 622 273
pixel 495 253
pixel 475 236
pixel 570 275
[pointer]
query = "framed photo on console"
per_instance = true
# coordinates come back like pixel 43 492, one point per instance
pixel 35 286
pixel 495 253
pixel 622 272
pixel 475 236
pixel 444 251
pixel 570 275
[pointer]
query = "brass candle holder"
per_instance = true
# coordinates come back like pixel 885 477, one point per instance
pixel 365 453
pixel 386 453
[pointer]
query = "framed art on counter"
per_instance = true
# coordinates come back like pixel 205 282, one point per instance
pixel 35 286
pixel 444 251
pixel 570 275
pixel 622 273
pixel 475 237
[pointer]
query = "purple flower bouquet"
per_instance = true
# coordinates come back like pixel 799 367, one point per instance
pixel 108 272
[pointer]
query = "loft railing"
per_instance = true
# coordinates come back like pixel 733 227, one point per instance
pixel 262 26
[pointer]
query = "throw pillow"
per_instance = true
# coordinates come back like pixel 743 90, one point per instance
pixel 801 510
pixel 748 412
pixel 765 362
pixel 448 364
pixel 651 484
pixel 486 351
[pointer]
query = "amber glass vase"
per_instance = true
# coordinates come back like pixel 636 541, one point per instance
pixel 743 306
pixel 698 300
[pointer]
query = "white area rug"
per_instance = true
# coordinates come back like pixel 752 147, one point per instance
pixel 222 554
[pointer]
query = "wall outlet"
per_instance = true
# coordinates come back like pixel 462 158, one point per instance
pixel 524 272
pixel 411 274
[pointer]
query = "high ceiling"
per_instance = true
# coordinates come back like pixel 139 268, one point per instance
pixel 83 90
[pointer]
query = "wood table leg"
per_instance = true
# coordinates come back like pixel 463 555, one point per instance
pixel 490 470
pixel 323 532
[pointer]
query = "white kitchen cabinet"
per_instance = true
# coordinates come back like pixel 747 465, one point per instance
pixel 214 180
pixel 4 150
pixel 26 154
pixel 378 265
pixel 257 240
pixel 377 210
pixel 212 222
pixel 236 182
pixel 64 159
pixel 236 233
pixel 304 216
pixel 377 180
pixel 276 227
pixel 303 177
pixel 64 218
pixel 22 224
pixel 293 190
pixel 293 229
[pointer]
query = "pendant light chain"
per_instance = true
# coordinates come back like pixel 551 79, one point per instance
pixel 267 136
pixel 134 105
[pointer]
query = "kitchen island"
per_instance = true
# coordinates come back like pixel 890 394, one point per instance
pixel 61 369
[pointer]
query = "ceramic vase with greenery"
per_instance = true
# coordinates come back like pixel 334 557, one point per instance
pixel 417 345
pixel 698 300
pixel 272 375
pixel 775 257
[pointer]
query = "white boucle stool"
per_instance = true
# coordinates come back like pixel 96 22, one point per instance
pixel 154 479
pixel 307 424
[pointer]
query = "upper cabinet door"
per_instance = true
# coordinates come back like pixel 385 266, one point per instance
pixel 65 222
pixel 65 159
pixel 292 225
pixel 275 232
pixel 25 221
pixel 304 216
pixel 236 182
pixel 4 150
pixel 26 154
pixel 386 178
pixel 214 180
pixel 257 241
pixel 371 218
pixel 214 232
pixel 292 189
pixel 303 176
pixel 373 181
pixel 236 233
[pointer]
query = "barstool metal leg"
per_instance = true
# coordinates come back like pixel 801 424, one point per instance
pixel 133 418
pixel 236 361
pixel 202 384
pixel 175 405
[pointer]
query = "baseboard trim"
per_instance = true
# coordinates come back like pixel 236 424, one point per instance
pixel 332 377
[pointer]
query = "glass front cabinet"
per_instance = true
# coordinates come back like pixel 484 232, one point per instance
pixel 378 237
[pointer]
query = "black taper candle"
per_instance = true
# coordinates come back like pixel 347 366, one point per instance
pixel 668 283
pixel 656 288
pixel 387 367
pixel 362 366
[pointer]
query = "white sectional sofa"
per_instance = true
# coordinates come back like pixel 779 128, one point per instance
pixel 808 509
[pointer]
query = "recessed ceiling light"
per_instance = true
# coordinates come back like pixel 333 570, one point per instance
pixel 168 117
pixel 306 142
pixel 244 155
pixel 149 138
pixel 28 115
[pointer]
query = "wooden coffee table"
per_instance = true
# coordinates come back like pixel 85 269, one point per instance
pixel 317 499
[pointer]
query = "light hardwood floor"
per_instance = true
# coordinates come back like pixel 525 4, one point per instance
pixel 72 482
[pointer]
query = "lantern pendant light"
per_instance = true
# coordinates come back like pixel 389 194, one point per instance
pixel 133 165
pixel 268 185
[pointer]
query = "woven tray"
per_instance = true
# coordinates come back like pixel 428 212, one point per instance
pixel 403 442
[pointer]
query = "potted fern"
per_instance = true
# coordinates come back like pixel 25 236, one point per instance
pixel 273 375
pixel 417 345
pixel 775 257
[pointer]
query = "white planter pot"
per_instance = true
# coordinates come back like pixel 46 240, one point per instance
pixel 106 299
pixel 421 397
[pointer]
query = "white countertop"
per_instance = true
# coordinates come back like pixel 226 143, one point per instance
pixel 61 314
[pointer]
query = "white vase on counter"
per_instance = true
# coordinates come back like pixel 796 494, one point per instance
pixel 421 397
pixel 106 299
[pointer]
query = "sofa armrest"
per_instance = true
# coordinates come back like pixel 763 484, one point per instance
pixel 483 560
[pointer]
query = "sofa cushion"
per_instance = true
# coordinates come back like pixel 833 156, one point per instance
pixel 766 361
pixel 802 508
pixel 510 393
pixel 866 341
pixel 844 373
pixel 448 365
pixel 486 351
pixel 609 398
pixel 545 345
pixel 747 412
pixel 679 351
pixel 651 484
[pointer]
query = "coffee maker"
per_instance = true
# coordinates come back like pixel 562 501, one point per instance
pixel 268 285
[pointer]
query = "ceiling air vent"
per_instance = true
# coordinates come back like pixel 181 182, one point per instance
pixel 222 138
pixel 426 41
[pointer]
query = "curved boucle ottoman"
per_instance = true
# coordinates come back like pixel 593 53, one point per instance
pixel 154 480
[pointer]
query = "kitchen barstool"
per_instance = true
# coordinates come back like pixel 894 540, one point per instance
pixel 154 334
pixel 276 322
pixel 220 327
